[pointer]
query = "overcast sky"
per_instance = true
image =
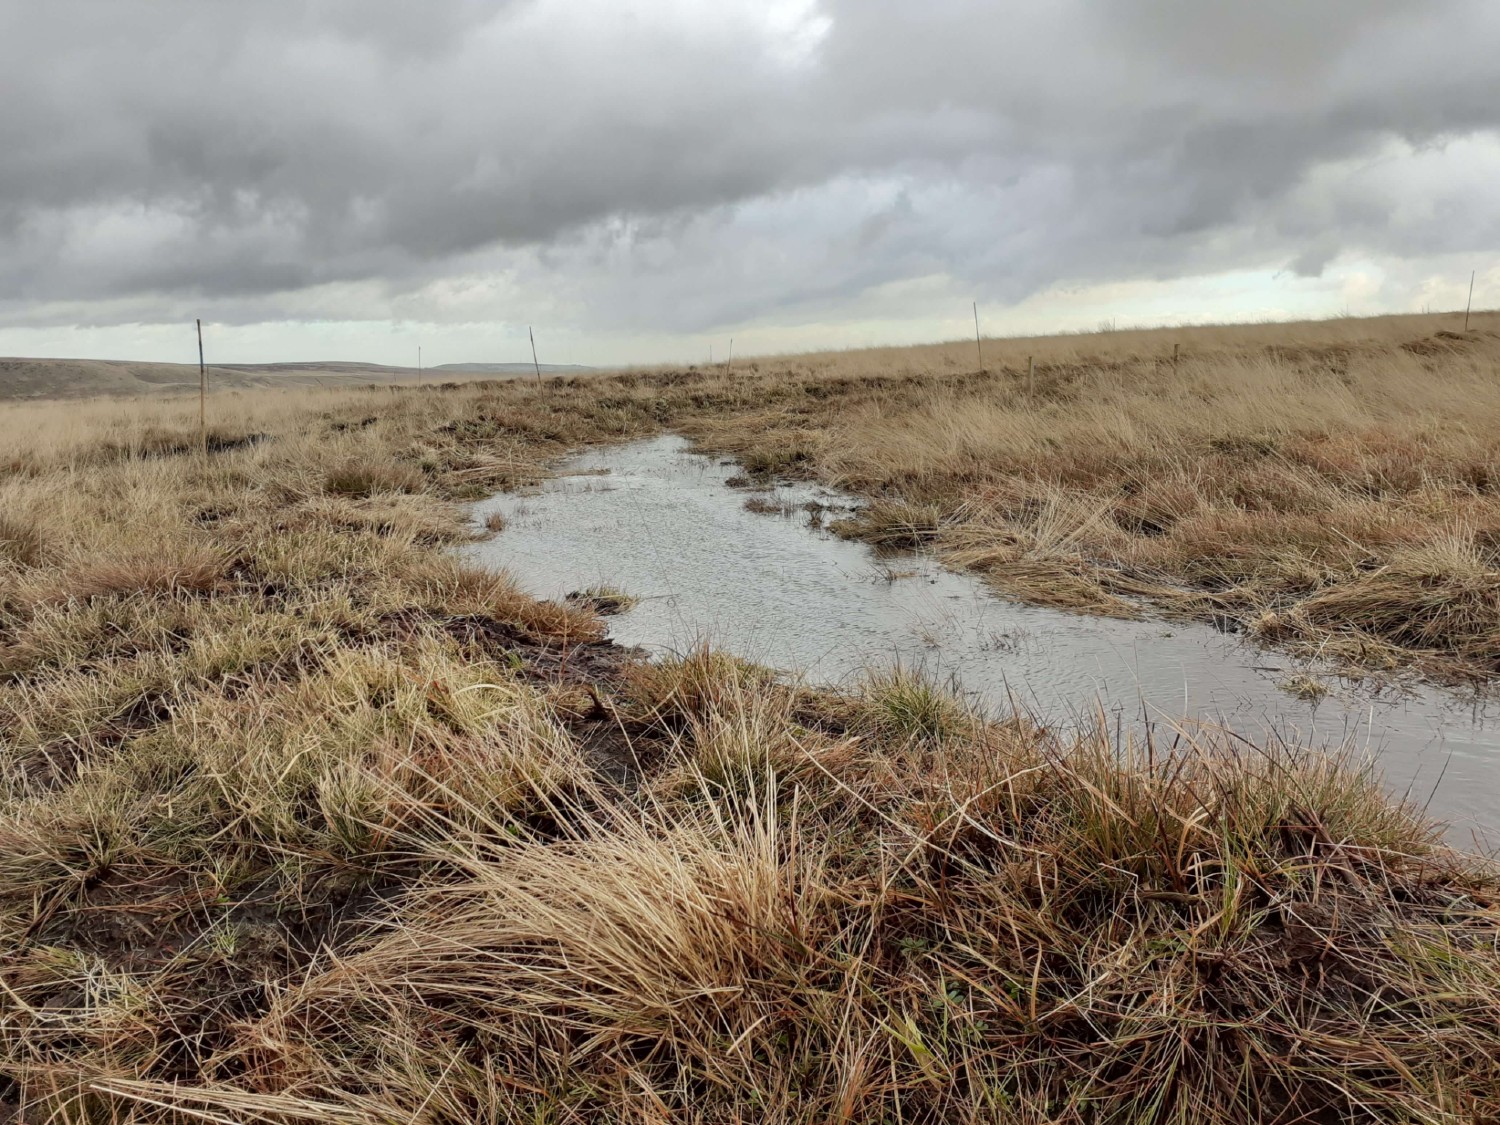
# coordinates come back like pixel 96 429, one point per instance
pixel 641 178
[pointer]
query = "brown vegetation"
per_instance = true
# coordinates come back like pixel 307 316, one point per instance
pixel 303 819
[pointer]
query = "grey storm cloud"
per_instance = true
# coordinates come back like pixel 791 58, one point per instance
pixel 626 152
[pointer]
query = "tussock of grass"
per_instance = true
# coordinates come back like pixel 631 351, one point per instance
pixel 162 441
pixel 404 518
pixel 772 506
pixel 178 568
pixel 892 524
pixel 904 706
pixel 603 600
pixel 750 739
pixel 669 694
pixel 1305 687
pixel 370 478
pixel 20 542
pixel 1438 598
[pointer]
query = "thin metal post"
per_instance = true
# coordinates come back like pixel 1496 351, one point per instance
pixel 202 394
pixel 1470 305
pixel 729 367
pixel 534 363
pixel 978 347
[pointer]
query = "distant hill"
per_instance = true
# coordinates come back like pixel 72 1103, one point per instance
pixel 513 368
pixel 81 378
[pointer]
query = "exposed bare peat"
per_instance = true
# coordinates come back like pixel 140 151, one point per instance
pixel 303 819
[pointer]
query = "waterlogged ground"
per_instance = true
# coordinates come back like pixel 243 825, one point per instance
pixel 660 523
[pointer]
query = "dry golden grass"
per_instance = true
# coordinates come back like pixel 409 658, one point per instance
pixel 303 819
pixel 868 908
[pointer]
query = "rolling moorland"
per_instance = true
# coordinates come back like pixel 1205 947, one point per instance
pixel 304 819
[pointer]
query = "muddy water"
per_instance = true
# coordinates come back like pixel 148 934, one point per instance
pixel 660 523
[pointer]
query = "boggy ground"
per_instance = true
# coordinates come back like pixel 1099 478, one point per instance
pixel 1334 488
pixel 303 819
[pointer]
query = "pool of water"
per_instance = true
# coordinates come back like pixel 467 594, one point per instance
pixel 659 522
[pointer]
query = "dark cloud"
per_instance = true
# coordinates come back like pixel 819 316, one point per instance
pixel 676 164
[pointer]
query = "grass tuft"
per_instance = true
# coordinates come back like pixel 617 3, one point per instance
pixel 906 706
pixel 179 569
pixel 365 478
pixel 21 541
pixel 606 601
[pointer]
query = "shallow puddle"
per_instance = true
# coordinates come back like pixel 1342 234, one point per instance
pixel 658 522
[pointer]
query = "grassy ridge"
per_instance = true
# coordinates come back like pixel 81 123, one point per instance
pixel 302 819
